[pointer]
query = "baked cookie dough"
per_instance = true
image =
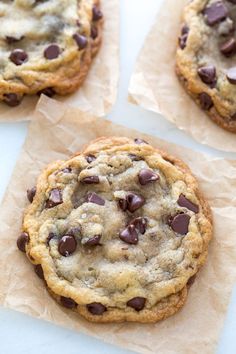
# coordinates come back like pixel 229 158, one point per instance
pixel 46 46
pixel 206 58
pixel 118 231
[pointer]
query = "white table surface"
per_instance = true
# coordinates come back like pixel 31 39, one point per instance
pixel 22 334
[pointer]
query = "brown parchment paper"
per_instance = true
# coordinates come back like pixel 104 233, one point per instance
pixel 98 92
pixel 154 84
pixel 57 132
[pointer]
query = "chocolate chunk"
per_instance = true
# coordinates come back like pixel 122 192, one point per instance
pixel 186 203
pixel 147 176
pixel 228 48
pixel 55 198
pixel 68 302
pixel 205 101
pixel 134 202
pixel 11 99
pixel 183 40
pixel 90 158
pixel 179 223
pixel 81 41
pixel 191 280
pixel 208 74
pixel 94 32
pixel 123 204
pixel 91 180
pixel 129 235
pixel 18 56
pixel 52 51
pixel 31 194
pixel 96 308
pixel 134 157
pixel 94 198
pixel 140 224
pixel 39 271
pixel 137 303
pixel 215 13
pixel 93 241
pixel 97 13
pixel 231 75
pixel 47 91
pixel 50 237
pixel 11 39
pixel 67 245
pixel 22 240
pixel 140 141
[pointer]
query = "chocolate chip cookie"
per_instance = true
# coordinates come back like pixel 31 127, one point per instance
pixel 118 231
pixel 46 46
pixel 206 58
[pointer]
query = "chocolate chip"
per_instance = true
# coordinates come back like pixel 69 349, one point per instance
pixel 137 303
pixel 215 13
pixel 11 99
pixel 231 75
pixel 91 180
pixel 134 202
pixel 139 141
pixel 47 91
pixel 39 271
pixel 191 280
pixel 52 51
pixel 50 237
pixel 94 32
pixel 55 198
pixel 11 39
pixel 94 198
pixel 31 194
pixel 18 56
pixel 129 235
pixel 186 203
pixel 146 176
pixel 68 302
pixel 183 40
pixel 205 101
pixel 208 74
pixel 90 158
pixel 81 41
pixel 96 308
pixel 184 29
pixel 179 223
pixel 134 157
pixel 22 240
pixel 123 204
pixel 67 245
pixel 228 48
pixel 93 241
pixel 140 224
pixel 97 13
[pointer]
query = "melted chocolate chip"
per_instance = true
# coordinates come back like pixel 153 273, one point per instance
pixel 91 180
pixel 123 204
pixel 184 29
pixel 94 32
pixel 52 52
pixel 140 224
pixel 183 40
pixel 134 202
pixel 11 99
pixel 67 245
pixel 96 308
pixel 93 241
pixel 97 13
pixel 228 48
pixel 55 198
pixel 80 40
pixel 22 240
pixel 90 158
pixel 134 157
pixel 39 271
pixel 47 91
pixel 205 101
pixel 129 235
pixel 68 302
pixel 208 74
pixel 231 75
pixel 139 141
pixel 94 198
pixel 147 176
pixel 215 13
pixel 18 56
pixel 31 194
pixel 179 223
pixel 137 303
pixel 186 203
